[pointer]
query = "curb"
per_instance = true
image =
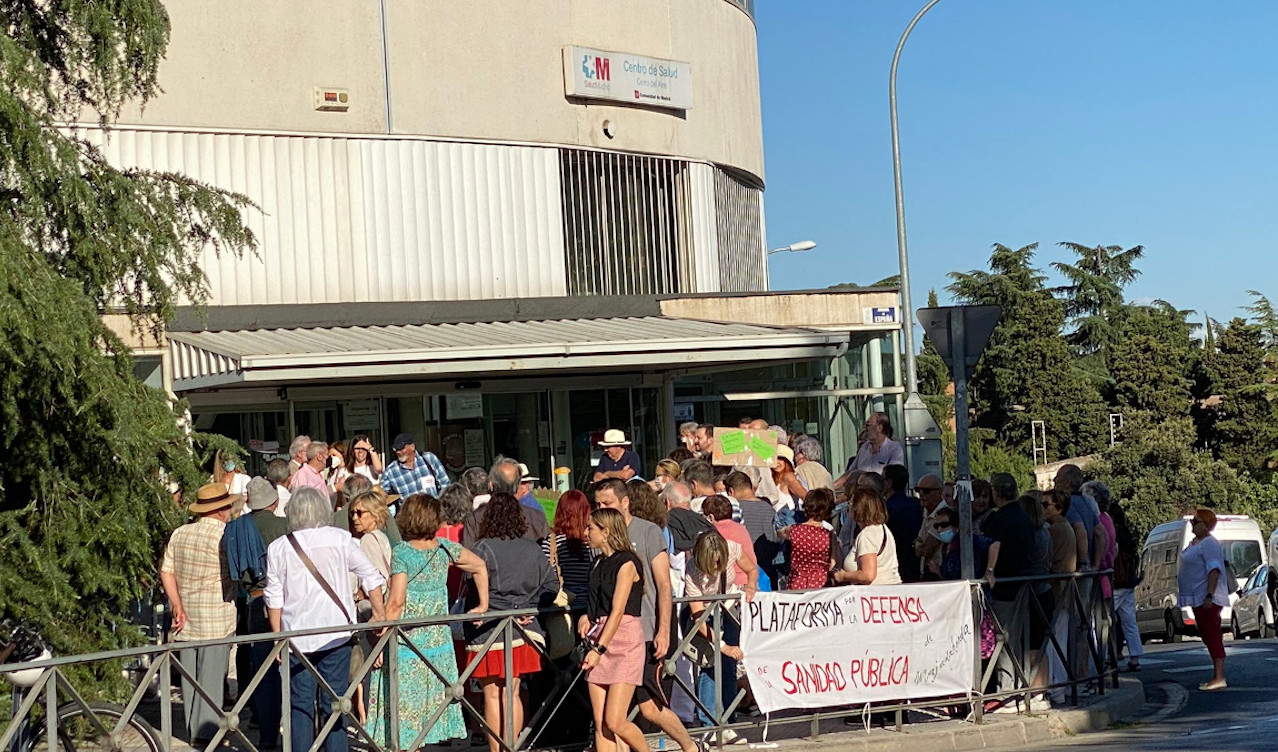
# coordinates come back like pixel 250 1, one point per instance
pixel 997 731
pixel 1116 705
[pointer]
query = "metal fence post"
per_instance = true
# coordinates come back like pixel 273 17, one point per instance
pixel 391 662
pixel 508 718
pixel 286 695
pixel 51 710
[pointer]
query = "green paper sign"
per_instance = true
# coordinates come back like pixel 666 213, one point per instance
pixel 733 442
pixel 762 448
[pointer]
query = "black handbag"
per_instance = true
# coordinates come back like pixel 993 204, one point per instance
pixel 588 643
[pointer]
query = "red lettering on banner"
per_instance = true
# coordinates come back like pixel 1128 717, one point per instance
pixel 880 672
pixel 892 609
pixel 812 678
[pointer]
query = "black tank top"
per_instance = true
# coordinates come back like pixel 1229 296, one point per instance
pixel 603 583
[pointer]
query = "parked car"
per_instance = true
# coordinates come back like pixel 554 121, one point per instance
pixel 1157 613
pixel 1253 612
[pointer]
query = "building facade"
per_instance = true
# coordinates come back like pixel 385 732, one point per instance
pixel 501 226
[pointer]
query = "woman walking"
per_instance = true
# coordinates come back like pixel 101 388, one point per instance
pixel 615 663
pixel 1201 582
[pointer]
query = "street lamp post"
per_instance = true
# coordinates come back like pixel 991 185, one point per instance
pixel 802 245
pixel 907 323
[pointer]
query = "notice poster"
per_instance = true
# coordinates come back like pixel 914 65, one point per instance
pixel 852 645
pixel 743 446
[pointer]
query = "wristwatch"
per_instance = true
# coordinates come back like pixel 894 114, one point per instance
pixel 600 649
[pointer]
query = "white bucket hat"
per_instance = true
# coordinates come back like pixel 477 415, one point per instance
pixel 614 437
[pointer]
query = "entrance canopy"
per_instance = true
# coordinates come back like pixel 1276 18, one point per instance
pixel 217 359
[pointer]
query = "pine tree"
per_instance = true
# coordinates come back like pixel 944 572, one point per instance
pixel 90 453
pixel 1028 372
pixel 1244 427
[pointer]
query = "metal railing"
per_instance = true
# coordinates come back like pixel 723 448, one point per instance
pixel 1087 651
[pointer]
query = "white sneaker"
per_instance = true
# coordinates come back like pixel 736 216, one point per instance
pixel 1039 705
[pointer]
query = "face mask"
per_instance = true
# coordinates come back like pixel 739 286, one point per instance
pixel 334 462
pixel 946 536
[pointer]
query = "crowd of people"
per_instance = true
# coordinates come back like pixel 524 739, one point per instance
pixel 334 535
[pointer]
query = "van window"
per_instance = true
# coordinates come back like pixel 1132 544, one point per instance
pixel 1242 557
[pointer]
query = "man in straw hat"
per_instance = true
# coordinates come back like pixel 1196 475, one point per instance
pixel 619 460
pixel 202 597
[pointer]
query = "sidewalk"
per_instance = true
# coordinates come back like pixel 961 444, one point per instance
pixel 996 731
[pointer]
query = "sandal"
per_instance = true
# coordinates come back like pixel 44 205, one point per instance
pixel 1212 686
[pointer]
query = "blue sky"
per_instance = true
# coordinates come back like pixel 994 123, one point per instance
pixel 1096 121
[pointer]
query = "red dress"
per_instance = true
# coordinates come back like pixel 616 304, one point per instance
pixel 809 557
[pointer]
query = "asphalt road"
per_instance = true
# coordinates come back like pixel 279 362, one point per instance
pixel 1177 716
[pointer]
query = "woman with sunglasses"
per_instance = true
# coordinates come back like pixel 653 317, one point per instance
pixel 363 459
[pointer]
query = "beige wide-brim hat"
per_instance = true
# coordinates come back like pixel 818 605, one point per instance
pixel 212 497
pixel 614 437
pixel 786 452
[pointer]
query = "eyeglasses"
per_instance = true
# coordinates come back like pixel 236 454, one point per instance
pixel 359 512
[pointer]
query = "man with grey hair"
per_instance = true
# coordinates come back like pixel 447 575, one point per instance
pixel 475 479
pixel 504 477
pixel 278 473
pixel 688 435
pixel 685 525
pixel 297 452
pixel 807 464
pixel 308 475
pixel 307 574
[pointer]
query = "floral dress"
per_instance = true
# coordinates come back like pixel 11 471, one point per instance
pixel 420 691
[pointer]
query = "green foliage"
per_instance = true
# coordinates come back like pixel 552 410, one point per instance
pixel 1152 361
pixel 1243 429
pixel 1094 294
pixel 1027 371
pixel 1159 475
pixel 85 499
pixel 892 281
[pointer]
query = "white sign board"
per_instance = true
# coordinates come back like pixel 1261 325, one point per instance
pixel 852 645
pixel 623 77
pixel 464 406
pixel 359 416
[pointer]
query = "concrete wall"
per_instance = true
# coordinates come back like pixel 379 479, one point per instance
pixel 465 70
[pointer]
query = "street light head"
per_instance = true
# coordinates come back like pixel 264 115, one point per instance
pixel 802 245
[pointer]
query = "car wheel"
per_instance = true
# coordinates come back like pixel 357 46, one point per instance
pixel 1233 627
pixel 1266 629
pixel 1169 630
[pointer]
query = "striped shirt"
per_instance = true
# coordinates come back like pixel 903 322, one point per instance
pixel 196 559
pixel 574 568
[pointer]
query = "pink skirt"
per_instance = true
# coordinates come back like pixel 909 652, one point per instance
pixel 624 661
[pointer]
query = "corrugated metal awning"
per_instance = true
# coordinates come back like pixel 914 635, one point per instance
pixel 204 360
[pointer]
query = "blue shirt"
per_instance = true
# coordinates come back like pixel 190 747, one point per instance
pixel 628 459
pixel 427 475
pixel 1083 509
pixel 530 501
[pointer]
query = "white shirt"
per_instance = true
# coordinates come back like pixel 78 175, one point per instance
pixel 878 540
pixel 366 471
pixel 285 495
pixel 481 500
pixel 239 484
pixel 889 453
pixel 290 585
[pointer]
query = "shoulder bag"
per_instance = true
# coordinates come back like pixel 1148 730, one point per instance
pixel 458 604
pixel 560 639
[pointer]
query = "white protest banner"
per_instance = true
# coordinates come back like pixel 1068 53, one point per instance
pixel 852 645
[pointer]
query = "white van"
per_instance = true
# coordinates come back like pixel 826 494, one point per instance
pixel 1156 611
